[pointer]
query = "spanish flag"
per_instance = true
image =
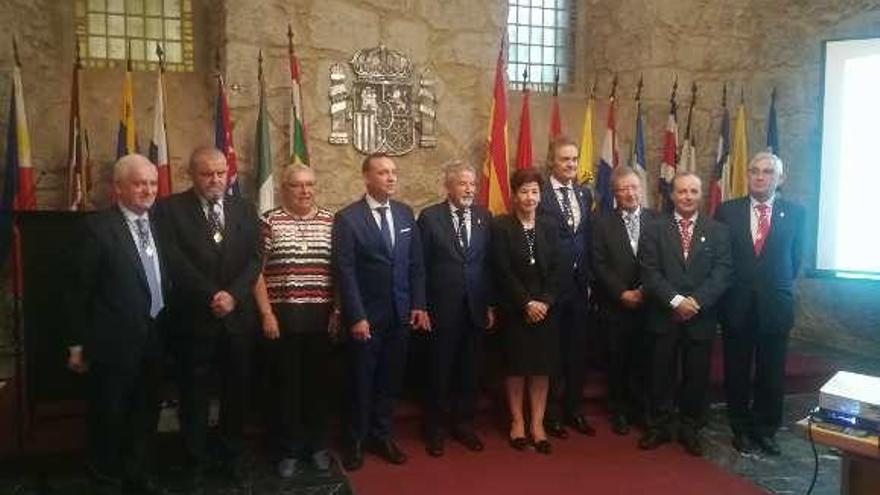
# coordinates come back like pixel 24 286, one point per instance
pixel 494 186
pixel 126 142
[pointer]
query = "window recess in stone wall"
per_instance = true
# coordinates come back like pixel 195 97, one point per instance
pixel 540 38
pixel 109 31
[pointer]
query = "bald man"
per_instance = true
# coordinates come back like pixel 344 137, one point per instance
pixel 118 315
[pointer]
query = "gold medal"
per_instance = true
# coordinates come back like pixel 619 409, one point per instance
pixel 531 260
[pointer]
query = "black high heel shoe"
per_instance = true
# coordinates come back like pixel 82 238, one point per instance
pixel 543 447
pixel 519 443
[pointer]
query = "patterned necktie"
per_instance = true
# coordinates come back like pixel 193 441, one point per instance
pixel 146 251
pixel 763 227
pixel 385 229
pixel 566 206
pixel 685 230
pixel 631 220
pixel 214 220
pixel 462 229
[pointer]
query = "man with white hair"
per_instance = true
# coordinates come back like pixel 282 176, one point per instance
pixel 455 245
pixel 767 244
pixel 118 315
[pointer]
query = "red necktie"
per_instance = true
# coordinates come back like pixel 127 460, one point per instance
pixel 763 227
pixel 684 225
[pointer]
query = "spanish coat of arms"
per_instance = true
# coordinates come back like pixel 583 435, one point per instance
pixel 383 110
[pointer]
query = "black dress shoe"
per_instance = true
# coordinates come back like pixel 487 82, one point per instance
pixel 619 424
pixel 543 447
pixel 468 438
pixel 767 445
pixel 434 446
pixel 555 429
pixel 653 439
pixel 580 425
pixel 519 443
pixel 353 457
pixel 743 444
pixel 691 443
pixel 388 450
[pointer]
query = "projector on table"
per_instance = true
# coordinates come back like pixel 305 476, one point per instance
pixel 851 400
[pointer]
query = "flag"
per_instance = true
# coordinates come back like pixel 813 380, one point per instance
pixel 494 182
pixel 77 171
pixel 687 158
pixel 587 159
pixel 608 159
pixel 299 152
pixel 18 184
pixel 126 142
pixel 223 138
pixel 739 152
pixel 670 154
pixel 719 188
pixel 772 126
pixel 524 141
pixel 159 143
pixel 637 161
pixel 265 181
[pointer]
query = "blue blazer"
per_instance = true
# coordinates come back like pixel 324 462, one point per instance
pixel 372 284
pixel 574 243
pixel 455 274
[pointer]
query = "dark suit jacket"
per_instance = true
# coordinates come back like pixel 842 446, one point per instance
pixel 204 267
pixel 516 286
pixel 454 274
pixel 374 286
pixel 615 266
pixel 574 243
pixel 110 303
pixel 769 277
pixel 705 275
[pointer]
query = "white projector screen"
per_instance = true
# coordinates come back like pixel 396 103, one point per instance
pixel 848 236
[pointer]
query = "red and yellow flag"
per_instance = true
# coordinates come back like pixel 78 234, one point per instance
pixel 494 186
pixel 524 141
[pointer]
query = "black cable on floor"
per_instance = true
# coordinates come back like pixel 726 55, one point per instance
pixel 815 454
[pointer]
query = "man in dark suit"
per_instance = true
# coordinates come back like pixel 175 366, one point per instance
pixel 620 295
pixel 216 258
pixel 686 268
pixel 118 312
pixel 568 204
pixel 381 280
pixel 766 236
pixel 455 241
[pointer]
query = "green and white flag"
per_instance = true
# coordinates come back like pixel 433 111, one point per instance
pixel 265 182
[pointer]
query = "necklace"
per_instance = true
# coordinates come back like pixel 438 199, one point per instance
pixel 530 243
pixel 300 243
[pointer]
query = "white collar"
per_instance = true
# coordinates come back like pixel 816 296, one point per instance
pixel 132 216
pixel 373 203
pixel 635 213
pixel 693 219
pixel 555 184
pixel 454 209
pixel 754 202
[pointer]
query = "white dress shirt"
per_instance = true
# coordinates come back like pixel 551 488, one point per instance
pixel 372 203
pixel 218 208
pixel 678 298
pixel 467 220
pixel 131 219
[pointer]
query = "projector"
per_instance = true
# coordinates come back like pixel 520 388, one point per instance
pixel 851 399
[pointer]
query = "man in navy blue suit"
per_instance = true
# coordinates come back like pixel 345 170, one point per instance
pixel 381 277
pixel 455 241
pixel 569 205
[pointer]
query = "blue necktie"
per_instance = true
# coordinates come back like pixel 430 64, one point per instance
pixel 385 229
pixel 147 251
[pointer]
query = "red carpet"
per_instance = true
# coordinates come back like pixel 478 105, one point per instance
pixel 605 464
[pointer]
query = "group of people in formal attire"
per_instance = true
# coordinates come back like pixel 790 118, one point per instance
pixel 201 277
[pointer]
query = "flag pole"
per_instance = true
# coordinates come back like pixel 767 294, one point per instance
pixel 17 342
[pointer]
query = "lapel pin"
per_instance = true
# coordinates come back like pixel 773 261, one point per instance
pixel 781 214
pixel 702 239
